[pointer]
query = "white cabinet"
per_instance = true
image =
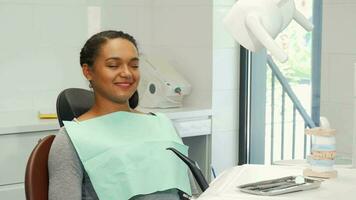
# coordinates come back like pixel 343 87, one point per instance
pixel 13 192
pixel 15 149
pixel 193 127
pixel 196 133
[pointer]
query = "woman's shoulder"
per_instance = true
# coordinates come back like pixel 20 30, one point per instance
pixel 65 171
pixel 62 141
pixel 62 149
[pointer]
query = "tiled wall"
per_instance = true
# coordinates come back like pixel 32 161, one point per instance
pixel 182 34
pixel 225 91
pixel 41 41
pixel 354 120
pixel 190 34
pixel 38 51
pixel 337 77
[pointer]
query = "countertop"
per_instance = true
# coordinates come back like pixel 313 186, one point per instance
pixel 27 120
pixel 224 187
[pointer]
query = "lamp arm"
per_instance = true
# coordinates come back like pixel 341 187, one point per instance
pixel 303 21
pixel 254 24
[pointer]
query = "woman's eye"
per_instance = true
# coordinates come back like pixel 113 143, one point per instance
pixel 134 64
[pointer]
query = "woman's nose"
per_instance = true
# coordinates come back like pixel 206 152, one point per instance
pixel 125 72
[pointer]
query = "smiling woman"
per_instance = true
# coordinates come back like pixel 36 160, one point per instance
pixel 82 167
pixel 110 62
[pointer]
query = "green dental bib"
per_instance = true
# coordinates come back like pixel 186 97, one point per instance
pixel 125 154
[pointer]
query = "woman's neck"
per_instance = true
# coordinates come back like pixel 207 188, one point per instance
pixel 104 106
pixel 103 109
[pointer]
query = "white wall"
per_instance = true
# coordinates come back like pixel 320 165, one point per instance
pixel 354 136
pixel 41 41
pixel 225 91
pixel 38 51
pixel 40 45
pixel 181 32
pixel 338 56
pixel 190 34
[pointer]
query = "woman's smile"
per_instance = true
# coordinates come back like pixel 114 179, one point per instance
pixel 123 85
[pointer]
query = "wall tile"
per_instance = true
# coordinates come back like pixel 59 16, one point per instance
pixel 145 49
pixel 338 27
pixel 16 101
pixel 62 2
pixel 341 118
pixel 225 110
pixel 54 62
pixel 222 38
pixel 123 18
pixel 45 101
pixel 144 26
pixel 182 2
pixel 226 72
pixel 325 66
pixel 60 25
pixel 182 26
pixel 340 78
pixel 125 2
pixel 224 150
pixel 337 77
pixel 46 69
pixel 224 2
pixel 69 69
pixel 354 81
pixel 17 33
pixel 354 134
pixel 327 2
pixel 45 2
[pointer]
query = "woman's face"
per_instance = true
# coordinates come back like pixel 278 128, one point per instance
pixel 115 74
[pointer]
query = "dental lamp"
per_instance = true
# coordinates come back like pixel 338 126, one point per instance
pixel 255 24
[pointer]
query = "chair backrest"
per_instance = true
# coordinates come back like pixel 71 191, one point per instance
pixel 36 177
pixel 73 102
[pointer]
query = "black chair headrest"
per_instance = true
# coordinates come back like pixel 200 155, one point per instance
pixel 73 102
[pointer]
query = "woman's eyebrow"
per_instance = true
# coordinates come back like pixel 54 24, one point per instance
pixel 118 58
pixel 113 58
pixel 135 59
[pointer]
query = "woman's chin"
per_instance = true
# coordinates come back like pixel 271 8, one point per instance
pixel 122 98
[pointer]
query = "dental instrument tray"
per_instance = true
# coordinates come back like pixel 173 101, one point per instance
pixel 280 185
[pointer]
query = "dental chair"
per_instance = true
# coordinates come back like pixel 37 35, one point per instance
pixel 71 103
pixel 36 175
pixel 74 102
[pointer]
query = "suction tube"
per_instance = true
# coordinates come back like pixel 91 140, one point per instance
pixel 194 168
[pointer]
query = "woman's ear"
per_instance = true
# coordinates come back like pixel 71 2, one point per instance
pixel 87 72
